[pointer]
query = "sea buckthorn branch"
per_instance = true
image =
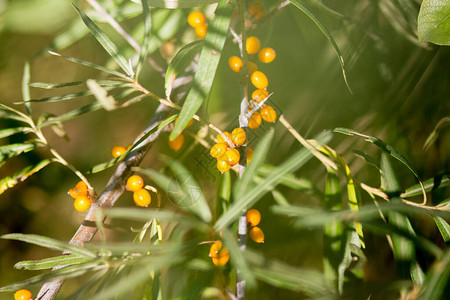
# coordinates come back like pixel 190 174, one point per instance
pixel 258 106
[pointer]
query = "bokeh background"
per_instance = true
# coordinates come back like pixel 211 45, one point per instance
pixel 400 93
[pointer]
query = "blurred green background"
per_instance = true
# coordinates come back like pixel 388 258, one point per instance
pixel 400 92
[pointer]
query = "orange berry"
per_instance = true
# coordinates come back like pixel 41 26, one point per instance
pixel 231 156
pixel 201 31
pixel 135 183
pixel 253 216
pixel 252 45
pixel 188 125
pixel 268 113
pixel 259 80
pixel 218 150
pixel 117 151
pixel 223 166
pixel 235 63
pixel 22 295
pixel 142 198
pixel 196 19
pixel 255 120
pixel 238 136
pixel 82 203
pixel 257 234
pixel 220 138
pixel 267 55
pixel 249 155
pixel 177 143
pixel 215 249
pixel 80 189
pixel 256 10
pixel 259 95
pixel 251 67
pixel 222 258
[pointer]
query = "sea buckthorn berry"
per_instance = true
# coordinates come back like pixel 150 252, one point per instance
pixel 266 55
pixel 80 189
pixel 177 143
pixel 135 183
pixel 117 151
pixel 222 258
pixel 196 19
pixel 260 95
pixel 268 113
pixel 201 31
pixel 142 198
pixel 235 63
pixel 252 45
pixel 223 166
pixel 22 295
pixel 257 234
pixel 82 203
pixel 238 136
pixel 255 120
pixel 253 216
pixel 188 125
pixel 251 67
pixel 218 150
pixel 259 80
pixel 231 156
pixel 215 249
pixel 249 155
pixel 220 138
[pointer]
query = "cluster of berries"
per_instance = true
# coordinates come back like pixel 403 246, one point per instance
pixel 197 20
pixel 254 217
pixel 219 254
pixel 229 156
pixel 23 295
pixel 258 79
pixel 80 194
pixel 256 10
pixel 178 142
pixel 141 196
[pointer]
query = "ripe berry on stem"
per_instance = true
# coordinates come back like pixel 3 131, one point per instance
pixel 22 295
pixel 135 183
pixel 196 19
pixel 255 120
pixel 252 45
pixel 266 55
pixel 218 150
pixel 268 113
pixel 220 138
pixel 117 151
pixel 223 166
pixel 259 95
pixel 238 136
pixel 82 203
pixel 80 189
pixel 259 80
pixel 235 63
pixel 249 155
pixel 142 198
pixel 219 255
pixel 177 143
pixel 231 156
pixel 257 234
pixel 201 31
pixel 253 216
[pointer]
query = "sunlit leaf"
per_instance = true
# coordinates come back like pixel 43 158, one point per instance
pixel 437 182
pixel 147 28
pixel 444 228
pixel 10 131
pixel 108 102
pixel 25 88
pixel 434 22
pixel 12 150
pixel 177 3
pixel 51 262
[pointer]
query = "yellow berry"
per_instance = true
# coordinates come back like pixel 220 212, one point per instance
pixel 260 95
pixel 249 155
pixel 252 45
pixel 259 80
pixel 257 234
pixel 251 67
pixel 142 198
pixel 222 258
pixel 22 295
pixel 218 150
pixel 215 249
pixel 117 151
pixel 82 203
pixel 196 19
pixel 135 183
pixel 238 136
pixel 201 31
pixel 255 120
pixel 177 143
pixel 231 156
pixel 267 55
pixel 188 125
pixel 80 189
pixel 268 113
pixel 256 10
pixel 235 63
pixel 253 216
pixel 223 166
pixel 220 138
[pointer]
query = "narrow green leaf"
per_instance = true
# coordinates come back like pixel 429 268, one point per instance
pixel 25 88
pixel 12 150
pixel 208 62
pixel 71 114
pixel 76 30
pixel 437 182
pixel 434 22
pixel 91 65
pixel 444 122
pixel 369 159
pixel 252 196
pixel 178 3
pixel 10 131
pixel 51 262
pixel 108 102
pixel 319 24
pixel 181 61
pixel 147 31
pixel 279 198
pixel 46 85
pixel 7 112
pixel 437 278
pixel 112 162
pixel 106 42
pixel 444 228
pixel 10 181
pixel 49 243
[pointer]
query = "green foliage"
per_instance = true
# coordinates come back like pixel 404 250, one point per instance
pixel 434 22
